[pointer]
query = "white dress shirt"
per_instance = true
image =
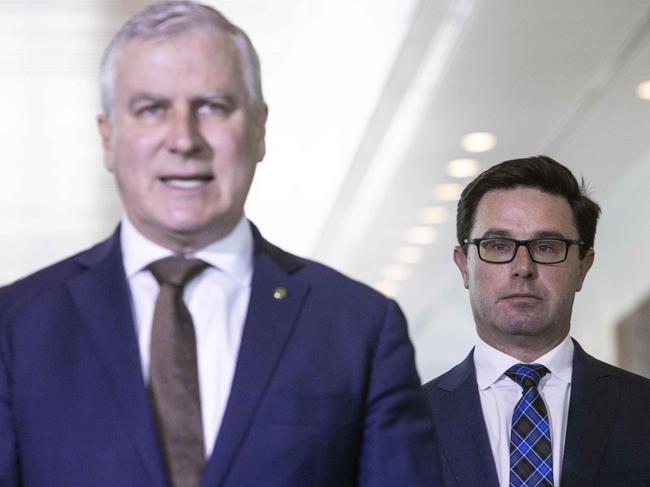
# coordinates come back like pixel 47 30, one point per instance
pixel 499 394
pixel 217 300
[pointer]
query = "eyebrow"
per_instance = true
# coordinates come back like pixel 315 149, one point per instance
pixel 500 232
pixel 214 95
pixel 145 97
pixel 139 98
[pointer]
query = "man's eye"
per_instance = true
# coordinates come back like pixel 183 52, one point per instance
pixel 151 110
pixel 546 246
pixel 212 108
pixel 497 245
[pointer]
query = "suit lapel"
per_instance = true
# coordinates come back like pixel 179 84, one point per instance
pixel 101 296
pixel 269 321
pixel 592 411
pixel 461 427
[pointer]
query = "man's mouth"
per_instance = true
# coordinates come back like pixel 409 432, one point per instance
pixel 186 182
pixel 522 296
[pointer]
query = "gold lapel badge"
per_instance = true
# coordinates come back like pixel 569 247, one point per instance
pixel 280 293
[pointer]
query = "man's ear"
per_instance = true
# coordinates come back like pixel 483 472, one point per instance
pixel 261 115
pixel 461 262
pixel 585 264
pixel 105 132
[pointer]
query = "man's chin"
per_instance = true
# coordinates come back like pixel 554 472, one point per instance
pixel 191 223
pixel 530 325
pixel 193 232
pixel 177 236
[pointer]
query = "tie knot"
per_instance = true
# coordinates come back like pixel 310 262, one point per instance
pixel 527 375
pixel 176 271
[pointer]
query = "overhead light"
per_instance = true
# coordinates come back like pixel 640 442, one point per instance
pixel 420 235
pixel 463 168
pixel 431 215
pixel 396 272
pixel 643 90
pixel 389 288
pixel 447 191
pixel 405 123
pixel 408 255
pixel 478 141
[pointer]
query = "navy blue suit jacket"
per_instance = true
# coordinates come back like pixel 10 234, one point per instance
pixel 325 391
pixel 608 432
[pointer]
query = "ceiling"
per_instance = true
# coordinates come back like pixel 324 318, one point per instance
pixel 368 103
pixel 546 78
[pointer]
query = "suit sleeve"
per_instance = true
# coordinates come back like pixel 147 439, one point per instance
pixel 397 443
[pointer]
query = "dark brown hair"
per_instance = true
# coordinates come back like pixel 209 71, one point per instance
pixel 539 172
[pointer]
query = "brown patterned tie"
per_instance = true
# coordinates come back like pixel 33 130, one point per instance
pixel 174 384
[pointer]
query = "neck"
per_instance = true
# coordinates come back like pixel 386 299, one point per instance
pixel 523 348
pixel 185 242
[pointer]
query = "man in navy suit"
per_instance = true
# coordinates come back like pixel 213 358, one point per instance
pixel 528 407
pixel 305 377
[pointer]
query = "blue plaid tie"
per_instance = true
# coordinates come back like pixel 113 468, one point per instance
pixel 531 455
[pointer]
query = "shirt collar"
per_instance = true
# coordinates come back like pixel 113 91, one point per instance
pixel 232 254
pixel 491 363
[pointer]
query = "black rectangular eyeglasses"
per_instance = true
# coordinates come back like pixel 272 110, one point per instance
pixel 502 250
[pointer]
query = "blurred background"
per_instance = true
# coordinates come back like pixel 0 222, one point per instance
pixel 380 112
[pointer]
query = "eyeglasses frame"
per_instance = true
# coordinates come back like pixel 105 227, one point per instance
pixel 525 243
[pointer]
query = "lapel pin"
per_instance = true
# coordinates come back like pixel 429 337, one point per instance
pixel 280 293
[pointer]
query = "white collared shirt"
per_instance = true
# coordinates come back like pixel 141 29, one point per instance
pixel 217 300
pixel 499 394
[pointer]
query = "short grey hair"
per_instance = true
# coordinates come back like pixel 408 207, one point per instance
pixel 171 18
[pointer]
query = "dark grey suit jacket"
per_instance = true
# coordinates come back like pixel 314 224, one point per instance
pixel 608 432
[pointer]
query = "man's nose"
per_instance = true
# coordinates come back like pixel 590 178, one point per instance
pixel 522 265
pixel 185 136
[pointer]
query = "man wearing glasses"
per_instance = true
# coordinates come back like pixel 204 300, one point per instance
pixel 528 406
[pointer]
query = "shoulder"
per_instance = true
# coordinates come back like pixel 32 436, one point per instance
pixel 329 279
pixel 598 368
pixel 324 281
pixel 632 390
pixel 332 305
pixel 456 377
pixel 26 288
pixel 336 295
pixel 50 280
